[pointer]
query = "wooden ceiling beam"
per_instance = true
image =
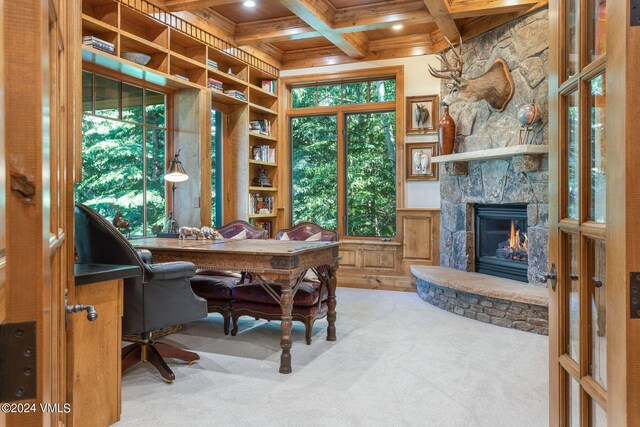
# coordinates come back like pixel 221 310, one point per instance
pixel 181 5
pixel 319 14
pixel 474 8
pixel 346 20
pixel 442 17
pixel 483 24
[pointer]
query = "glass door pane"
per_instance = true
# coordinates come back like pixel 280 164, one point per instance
pixel 314 142
pixel 573 155
pixel 598 415
pixel 572 39
pixel 573 402
pixel 572 297
pixel 598 148
pixel 597 38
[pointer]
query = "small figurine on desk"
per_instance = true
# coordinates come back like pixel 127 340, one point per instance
pixel 210 233
pixel 171 225
pixel 185 232
pixel 121 223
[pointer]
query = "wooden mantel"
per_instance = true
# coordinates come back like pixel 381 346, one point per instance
pixel 493 153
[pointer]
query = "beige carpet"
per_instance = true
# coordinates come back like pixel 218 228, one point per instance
pixel 398 361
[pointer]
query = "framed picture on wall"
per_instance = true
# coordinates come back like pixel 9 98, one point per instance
pixel 419 165
pixel 422 114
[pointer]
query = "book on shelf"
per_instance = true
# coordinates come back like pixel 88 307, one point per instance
pixel 263 153
pixel 236 94
pixel 260 205
pixel 99 44
pixel 212 64
pixel 214 84
pixel 261 126
pixel 181 77
pixel 269 85
pixel 266 225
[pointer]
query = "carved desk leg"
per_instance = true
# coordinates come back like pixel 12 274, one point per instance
pixel 286 304
pixel 331 304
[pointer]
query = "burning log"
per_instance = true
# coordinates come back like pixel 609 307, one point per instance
pixel 516 248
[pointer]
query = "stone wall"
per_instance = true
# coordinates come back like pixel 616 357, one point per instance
pixel 524 179
pixel 500 312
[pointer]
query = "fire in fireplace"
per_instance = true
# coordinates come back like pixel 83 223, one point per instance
pixel 501 241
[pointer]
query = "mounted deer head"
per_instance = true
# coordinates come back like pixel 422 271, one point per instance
pixel 495 86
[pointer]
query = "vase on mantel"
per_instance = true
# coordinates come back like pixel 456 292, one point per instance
pixel 447 132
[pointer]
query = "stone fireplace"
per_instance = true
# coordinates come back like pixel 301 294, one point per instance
pixel 521 179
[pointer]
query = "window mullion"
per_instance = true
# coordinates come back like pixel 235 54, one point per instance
pixel 342 174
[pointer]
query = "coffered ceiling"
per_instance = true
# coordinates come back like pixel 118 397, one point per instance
pixel 299 33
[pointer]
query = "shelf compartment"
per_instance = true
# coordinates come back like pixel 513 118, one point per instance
pixel 263 189
pixel 96 26
pixel 263 137
pixel 188 47
pixel 223 98
pixel 267 164
pixel 105 11
pixel 231 81
pixel 179 65
pixel 226 61
pixel 89 29
pixel 256 75
pixel 144 27
pixel 262 110
pixel 261 93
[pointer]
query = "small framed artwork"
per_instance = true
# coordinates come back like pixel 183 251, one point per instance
pixel 422 114
pixel 419 165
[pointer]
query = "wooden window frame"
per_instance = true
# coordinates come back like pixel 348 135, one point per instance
pixel 369 74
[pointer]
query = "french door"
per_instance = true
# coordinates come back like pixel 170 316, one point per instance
pixel 578 214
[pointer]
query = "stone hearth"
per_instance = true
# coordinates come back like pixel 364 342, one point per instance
pixel 489 299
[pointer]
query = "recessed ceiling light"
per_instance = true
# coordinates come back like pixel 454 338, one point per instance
pixel 397 27
pixel 249 3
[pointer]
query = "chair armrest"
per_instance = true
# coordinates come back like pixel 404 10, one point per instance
pixel 145 255
pixel 171 270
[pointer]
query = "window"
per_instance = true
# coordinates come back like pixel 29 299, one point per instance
pixel 123 152
pixel 345 180
pixel 216 167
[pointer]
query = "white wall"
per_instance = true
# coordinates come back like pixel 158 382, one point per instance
pixel 417 81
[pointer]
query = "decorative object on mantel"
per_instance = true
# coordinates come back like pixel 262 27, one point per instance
pixel 419 165
pixel 422 114
pixel 121 223
pixel 185 232
pixel 262 179
pixel 528 115
pixel 447 132
pixel 495 86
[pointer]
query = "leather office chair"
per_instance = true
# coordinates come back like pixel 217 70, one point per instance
pixel 309 302
pixel 216 286
pixel 159 298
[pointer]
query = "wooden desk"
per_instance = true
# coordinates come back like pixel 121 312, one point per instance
pixel 284 262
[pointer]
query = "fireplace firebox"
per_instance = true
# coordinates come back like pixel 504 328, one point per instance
pixel 501 241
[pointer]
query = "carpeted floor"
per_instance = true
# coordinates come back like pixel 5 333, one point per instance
pixel 398 361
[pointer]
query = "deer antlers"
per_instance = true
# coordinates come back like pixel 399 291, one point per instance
pixel 449 71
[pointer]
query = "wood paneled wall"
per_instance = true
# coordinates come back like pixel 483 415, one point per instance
pixel 375 264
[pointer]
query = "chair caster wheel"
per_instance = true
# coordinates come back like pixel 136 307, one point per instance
pixel 191 362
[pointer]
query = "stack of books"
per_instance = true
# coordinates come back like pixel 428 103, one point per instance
pixel 99 44
pixel 261 126
pixel 212 64
pixel 214 84
pixel 260 205
pixel 236 94
pixel 265 225
pixel 269 86
pixel 181 77
pixel 263 153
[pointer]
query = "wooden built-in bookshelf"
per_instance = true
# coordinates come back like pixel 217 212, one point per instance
pixel 179 48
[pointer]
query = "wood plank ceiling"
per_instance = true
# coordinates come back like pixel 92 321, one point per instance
pixel 303 33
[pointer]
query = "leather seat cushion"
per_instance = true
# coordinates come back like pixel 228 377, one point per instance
pixel 213 287
pixel 307 295
pixel 273 310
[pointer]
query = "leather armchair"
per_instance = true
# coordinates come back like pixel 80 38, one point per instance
pixel 159 298
pixel 216 286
